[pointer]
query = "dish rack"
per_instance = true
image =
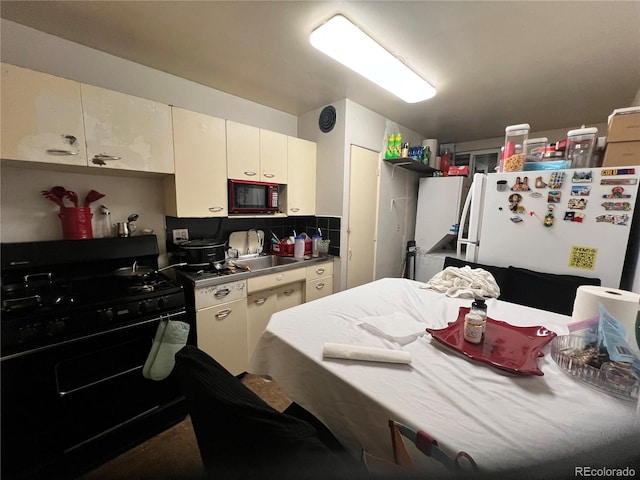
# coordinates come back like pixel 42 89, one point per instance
pixel 284 249
pixel 565 350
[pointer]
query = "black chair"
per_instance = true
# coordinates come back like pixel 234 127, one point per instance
pixel 241 436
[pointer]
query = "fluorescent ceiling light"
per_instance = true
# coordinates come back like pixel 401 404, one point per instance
pixel 346 43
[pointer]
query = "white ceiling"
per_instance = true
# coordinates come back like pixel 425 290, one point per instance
pixel 549 64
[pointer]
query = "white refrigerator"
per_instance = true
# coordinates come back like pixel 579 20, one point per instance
pixel 575 221
pixel 440 201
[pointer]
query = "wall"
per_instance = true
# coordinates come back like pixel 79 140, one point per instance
pixel 356 125
pixel 24 214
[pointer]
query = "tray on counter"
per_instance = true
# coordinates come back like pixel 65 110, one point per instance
pixel 505 346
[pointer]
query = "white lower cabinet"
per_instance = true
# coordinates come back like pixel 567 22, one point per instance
pixel 222 333
pixel 289 296
pixel 221 324
pixel 260 307
pixel 319 281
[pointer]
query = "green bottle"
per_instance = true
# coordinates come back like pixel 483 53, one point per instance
pixel 390 143
pixel 397 145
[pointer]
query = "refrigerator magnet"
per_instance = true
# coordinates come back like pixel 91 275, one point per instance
pixel 577 203
pixel 540 183
pixel 614 219
pixel 582 177
pixel 554 196
pixel 556 180
pixel 574 216
pixel 626 206
pixel 521 185
pixel 618 181
pixel 580 190
pixel 617 192
pixel 549 218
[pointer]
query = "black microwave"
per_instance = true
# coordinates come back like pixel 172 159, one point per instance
pixel 246 196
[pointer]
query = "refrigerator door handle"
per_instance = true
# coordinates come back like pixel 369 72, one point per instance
pixel 461 223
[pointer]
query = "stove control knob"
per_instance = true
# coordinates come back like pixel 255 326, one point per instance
pixel 55 328
pixel 25 334
pixel 162 303
pixel 106 315
pixel 142 307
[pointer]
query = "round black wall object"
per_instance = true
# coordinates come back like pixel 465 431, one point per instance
pixel 327 119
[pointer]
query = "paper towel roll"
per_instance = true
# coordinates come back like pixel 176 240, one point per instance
pixel 432 143
pixel 621 304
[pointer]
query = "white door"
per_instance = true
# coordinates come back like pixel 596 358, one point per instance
pixel 363 207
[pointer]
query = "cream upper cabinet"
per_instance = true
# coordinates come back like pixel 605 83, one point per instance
pixel 199 186
pixel 273 157
pixel 127 132
pixel 256 154
pixel 243 152
pixel 301 187
pixel 41 118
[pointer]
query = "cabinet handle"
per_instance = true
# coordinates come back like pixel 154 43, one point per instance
pixel 294 209
pixel 223 313
pixel 260 301
pixel 320 271
pixel 216 209
pixel 223 292
pixel 319 286
pixel 251 174
pixel 269 175
pixel 55 151
pixel 288 292
pixel 102 158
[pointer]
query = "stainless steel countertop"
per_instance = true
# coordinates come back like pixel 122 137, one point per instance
pixel 208 279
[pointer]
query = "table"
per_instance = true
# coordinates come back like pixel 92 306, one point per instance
pixel 505 421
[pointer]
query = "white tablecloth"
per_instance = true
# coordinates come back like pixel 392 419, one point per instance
pixel 503 420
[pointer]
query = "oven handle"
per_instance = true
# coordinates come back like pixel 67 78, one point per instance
pixel 168 316
pixel 97 382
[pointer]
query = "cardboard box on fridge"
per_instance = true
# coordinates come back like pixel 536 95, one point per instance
pixel 622 154
pixel 624 125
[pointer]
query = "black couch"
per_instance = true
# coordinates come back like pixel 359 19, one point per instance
pixel 546 291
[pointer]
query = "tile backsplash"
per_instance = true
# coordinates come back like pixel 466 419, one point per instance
pixel 220 228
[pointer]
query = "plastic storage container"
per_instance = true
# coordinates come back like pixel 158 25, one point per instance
pixel 534 149
pixel 580 145
pixel 513 154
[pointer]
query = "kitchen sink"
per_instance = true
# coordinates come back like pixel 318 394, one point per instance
pixel 268 261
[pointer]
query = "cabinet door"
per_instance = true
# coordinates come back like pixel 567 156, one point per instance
pixel 222 333
pixel 289 296
pixel 301 172
pixel 200 182
pixel 260 307
pixel 127 132
pixel 318 288
pixel 41 118
pixel 243 152
pixel 273 157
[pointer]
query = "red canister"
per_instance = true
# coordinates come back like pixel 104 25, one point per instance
pixel 76 223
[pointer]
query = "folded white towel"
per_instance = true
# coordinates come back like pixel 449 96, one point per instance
pixel 465 282
pixel 397 327
pixel 360 352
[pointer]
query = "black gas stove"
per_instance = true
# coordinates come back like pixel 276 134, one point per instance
pixel 74 338
pixel 68 294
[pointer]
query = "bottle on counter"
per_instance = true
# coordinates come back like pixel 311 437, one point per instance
pixel 315 245
pixel 475 322
pixel 298 247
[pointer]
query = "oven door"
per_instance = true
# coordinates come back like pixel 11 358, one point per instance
pixel 62 398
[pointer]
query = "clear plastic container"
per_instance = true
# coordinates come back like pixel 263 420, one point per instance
pixel 534 149
pixel 580 145
pixel 513 154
